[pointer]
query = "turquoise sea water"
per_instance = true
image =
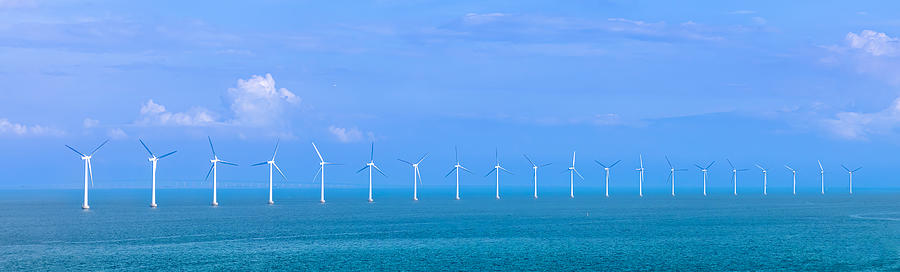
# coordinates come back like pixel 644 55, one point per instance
pixel 47 230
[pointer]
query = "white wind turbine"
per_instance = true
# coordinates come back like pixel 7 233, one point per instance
pixel 417 178
pixel 498 168
pixel 214 170
pixel 640 176
pixel 371 165
pixel 153 159
pixel 672 174
pixel 851 176
pixel 572 172
pixel 705 171
pixel 535 167
pixel 734 175
pixel 272 164
pixel 457 168
pixel 322 164
pixel 88 171
pixel 765 178
pixel 607 173
pixel 822 173
pixel 794 172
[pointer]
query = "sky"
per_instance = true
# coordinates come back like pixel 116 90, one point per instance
pixel 767 82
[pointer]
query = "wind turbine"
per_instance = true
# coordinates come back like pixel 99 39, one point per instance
pixel 322 164
pixel 641 176
pixel 535 167
pixel 851 176
pixel 572 172
pixel 457 168
pixel 214 169
pixel 734 175
pixel 88 172
pixel 672 174
pixel 272 164
pixel 794 172
pixel 822 173
pixel 498 168
pixel 417 178
pixel 705 171
pixel 371 165
pixel 153 159
pixel 765 178
pixel 607 173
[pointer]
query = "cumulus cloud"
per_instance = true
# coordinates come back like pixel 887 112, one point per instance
pixel 874 43
pixel 18 129
pixel 89 123
pixel 257 102
pixel 347 135
pixel 117 134
pixel 156 114
pixel 859 126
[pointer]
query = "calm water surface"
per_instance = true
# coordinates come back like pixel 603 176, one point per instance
pixel 47 230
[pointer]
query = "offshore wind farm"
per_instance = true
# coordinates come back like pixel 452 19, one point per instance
pixel 449 136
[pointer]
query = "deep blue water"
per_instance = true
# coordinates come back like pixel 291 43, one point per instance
pixel 47 230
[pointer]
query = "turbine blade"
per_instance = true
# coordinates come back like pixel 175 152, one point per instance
pixel 405 161
pixel 491 172
pixel 422 159
pixel 529 160
pixel 788 167
pixel 600 163
pixel 641 158
pixel 845 168
pixel 91 172
pixel 614 164
pixel 670 176
pixel 710 164
pixel 76 151
pixel 820 165
pixel 573 158
pixel 258 164
pixel 379 170
pixel 507 171
pixel 361 169
pixel 546 164
pixel 682 169
pixel 465 169
pixel 854 170
pixel 98 147
pixel 579 174
pixel 700 167
pixel 146 148
pixel 229 163
pixel 420 177
pixel 211 145
pixel 451 172
pixel 745 169
pixel 279 171
pixel 209 172
pixel 277 142
pixel 317 173
pixel 669 162
pixel 760 167
pixel 317 152
pixel 167 154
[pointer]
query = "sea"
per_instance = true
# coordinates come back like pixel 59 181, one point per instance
pixel 46 230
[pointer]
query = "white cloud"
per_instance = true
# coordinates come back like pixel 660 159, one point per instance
pixel 476 18
pixel 156 114
pixel 347 135
pixel 257 102
pixel 89 123
pixel 10 128
pixel 859 126
pixel 874 43
pixel 117 134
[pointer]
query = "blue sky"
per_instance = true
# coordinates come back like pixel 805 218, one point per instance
pixel 752 81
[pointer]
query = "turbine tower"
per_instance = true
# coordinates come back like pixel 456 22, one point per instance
pixel 371 165
pixel 705 171
pixel 214 169
pixel 851 176
pixel 535 167
pixel 765 178
pixel 572 172
pixel 606 168
pixel 272 164
pixel 153 159
pixel 497 168
pixel 640 176
pixel 672 174
pixel 457 168
pixel 734 175
pixel 88 172
pixel 794 172
pixel 417 178
pixel 322 164
pixel 822 173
